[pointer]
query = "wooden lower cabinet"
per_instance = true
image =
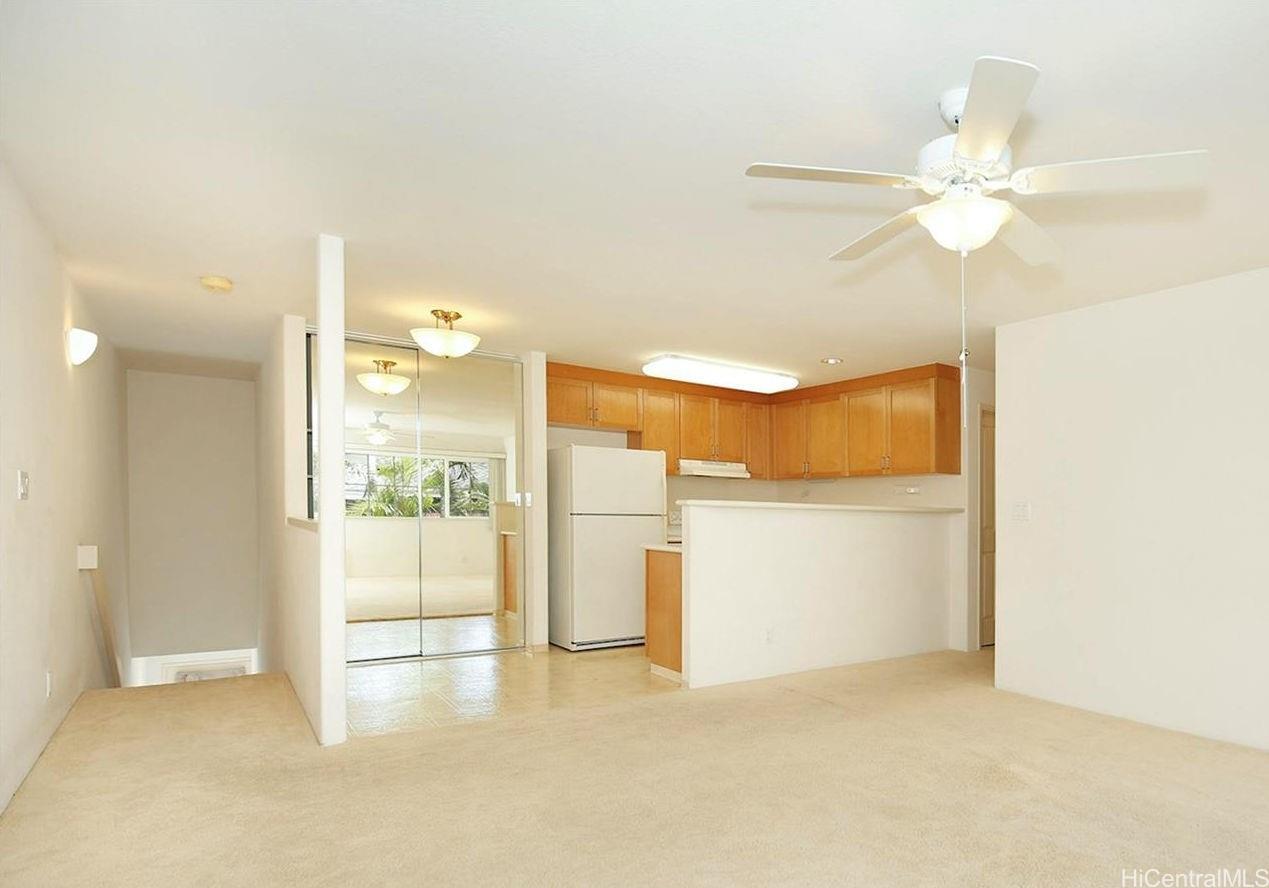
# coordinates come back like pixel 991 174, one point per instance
pixel 788 440
pixel 758 440
pixel 663 608
pixel 510 575
pixel 866 432
pixel 825 437
pixel 661 427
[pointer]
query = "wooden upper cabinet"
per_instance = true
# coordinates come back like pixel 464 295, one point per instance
pixel 866 431
pixel 758 440
pixel 617 407
pixel 788 439
pixel 910 409
pixel 568 402
pixel 729 430
pixel 661 426
pixel 696 427
pixel 825 437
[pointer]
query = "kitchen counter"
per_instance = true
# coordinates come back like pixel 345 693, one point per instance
pixel 817 507
pixel 674 548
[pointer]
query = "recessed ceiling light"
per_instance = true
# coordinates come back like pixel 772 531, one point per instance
pixel 830 360
pixel 216 283
pixel 746 379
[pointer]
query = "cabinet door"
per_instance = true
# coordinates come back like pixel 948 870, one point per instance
pixel 826 437
pixel 729 430
pixel 617 407
pixel 788 440
pixel 568 402
pixel 758 440
pixel 866 432
pixel 911 415
pixel 696 427
pixel 661 426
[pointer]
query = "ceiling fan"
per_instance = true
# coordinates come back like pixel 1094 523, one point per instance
pixel 963 169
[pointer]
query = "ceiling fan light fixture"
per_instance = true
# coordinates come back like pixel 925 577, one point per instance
pixel 964 220
pixel 383 381
pixel 445 342
pixel 378 432
pixel 745 379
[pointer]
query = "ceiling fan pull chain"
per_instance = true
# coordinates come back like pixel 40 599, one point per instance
pixel 964 351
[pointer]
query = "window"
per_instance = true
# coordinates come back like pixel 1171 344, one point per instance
pixel 380 485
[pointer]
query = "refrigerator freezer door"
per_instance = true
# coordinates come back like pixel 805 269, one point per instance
pixel 613 481
pixel 608 575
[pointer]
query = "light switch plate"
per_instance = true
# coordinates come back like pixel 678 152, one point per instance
pixel 24 485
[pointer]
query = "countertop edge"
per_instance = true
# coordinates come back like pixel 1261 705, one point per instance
pixel 817 507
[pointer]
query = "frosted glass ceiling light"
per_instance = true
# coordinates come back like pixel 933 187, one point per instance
pixel 383 381
pixel 80 344
pixel 445 342
pixel 963 220
pixel 746 379
pixel 378 433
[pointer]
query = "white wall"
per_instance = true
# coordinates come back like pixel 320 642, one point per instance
pixel 193 543
pixel 779 589
pixel 288 551
pixel 64 426
pixel 1135 432
pixel 389 547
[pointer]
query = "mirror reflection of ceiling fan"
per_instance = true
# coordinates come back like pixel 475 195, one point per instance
pixel 964 169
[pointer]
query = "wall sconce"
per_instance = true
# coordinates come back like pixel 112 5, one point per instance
pixel 80 344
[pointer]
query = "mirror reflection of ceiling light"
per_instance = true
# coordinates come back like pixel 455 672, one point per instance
pixel 445 342
pixel 80 344
pixel 745 379
pixel 378 433
pixel 383 381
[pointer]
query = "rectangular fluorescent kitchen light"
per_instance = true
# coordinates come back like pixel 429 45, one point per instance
pixel 746 379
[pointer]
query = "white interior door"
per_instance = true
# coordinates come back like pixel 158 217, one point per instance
pixel 608 560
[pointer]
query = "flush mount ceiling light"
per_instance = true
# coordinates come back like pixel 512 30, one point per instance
pixel 746 379
pixel 215 283
pixel 383 381
pixel 830 361
pixel 378 433
pixel 445 342
pixel 80 344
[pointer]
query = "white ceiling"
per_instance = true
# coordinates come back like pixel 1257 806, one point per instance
pixel 570 175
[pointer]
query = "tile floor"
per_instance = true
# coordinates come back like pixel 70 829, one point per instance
pixel 404 696
pixel 374 639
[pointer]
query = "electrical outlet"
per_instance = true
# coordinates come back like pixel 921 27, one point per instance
pixel 24 485
pixel 770 635
pixel 48 684
pixel 907 490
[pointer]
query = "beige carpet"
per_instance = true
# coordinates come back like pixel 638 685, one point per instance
pixel 909 772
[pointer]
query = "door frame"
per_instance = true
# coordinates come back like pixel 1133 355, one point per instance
pixel 976 603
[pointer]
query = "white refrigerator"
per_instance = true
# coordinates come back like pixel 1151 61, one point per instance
pixel 605 504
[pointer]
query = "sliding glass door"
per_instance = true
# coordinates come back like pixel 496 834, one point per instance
pixel 432 463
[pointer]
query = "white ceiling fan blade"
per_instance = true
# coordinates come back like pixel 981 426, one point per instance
pixel 1029 241
pixel 1171 169
pixel 829 174
pixel 878 236
pixel 997 91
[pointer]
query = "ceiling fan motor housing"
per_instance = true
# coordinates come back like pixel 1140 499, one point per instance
pixel 938 160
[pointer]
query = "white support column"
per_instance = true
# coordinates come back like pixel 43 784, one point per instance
pixel 330 477
pixel 534 473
